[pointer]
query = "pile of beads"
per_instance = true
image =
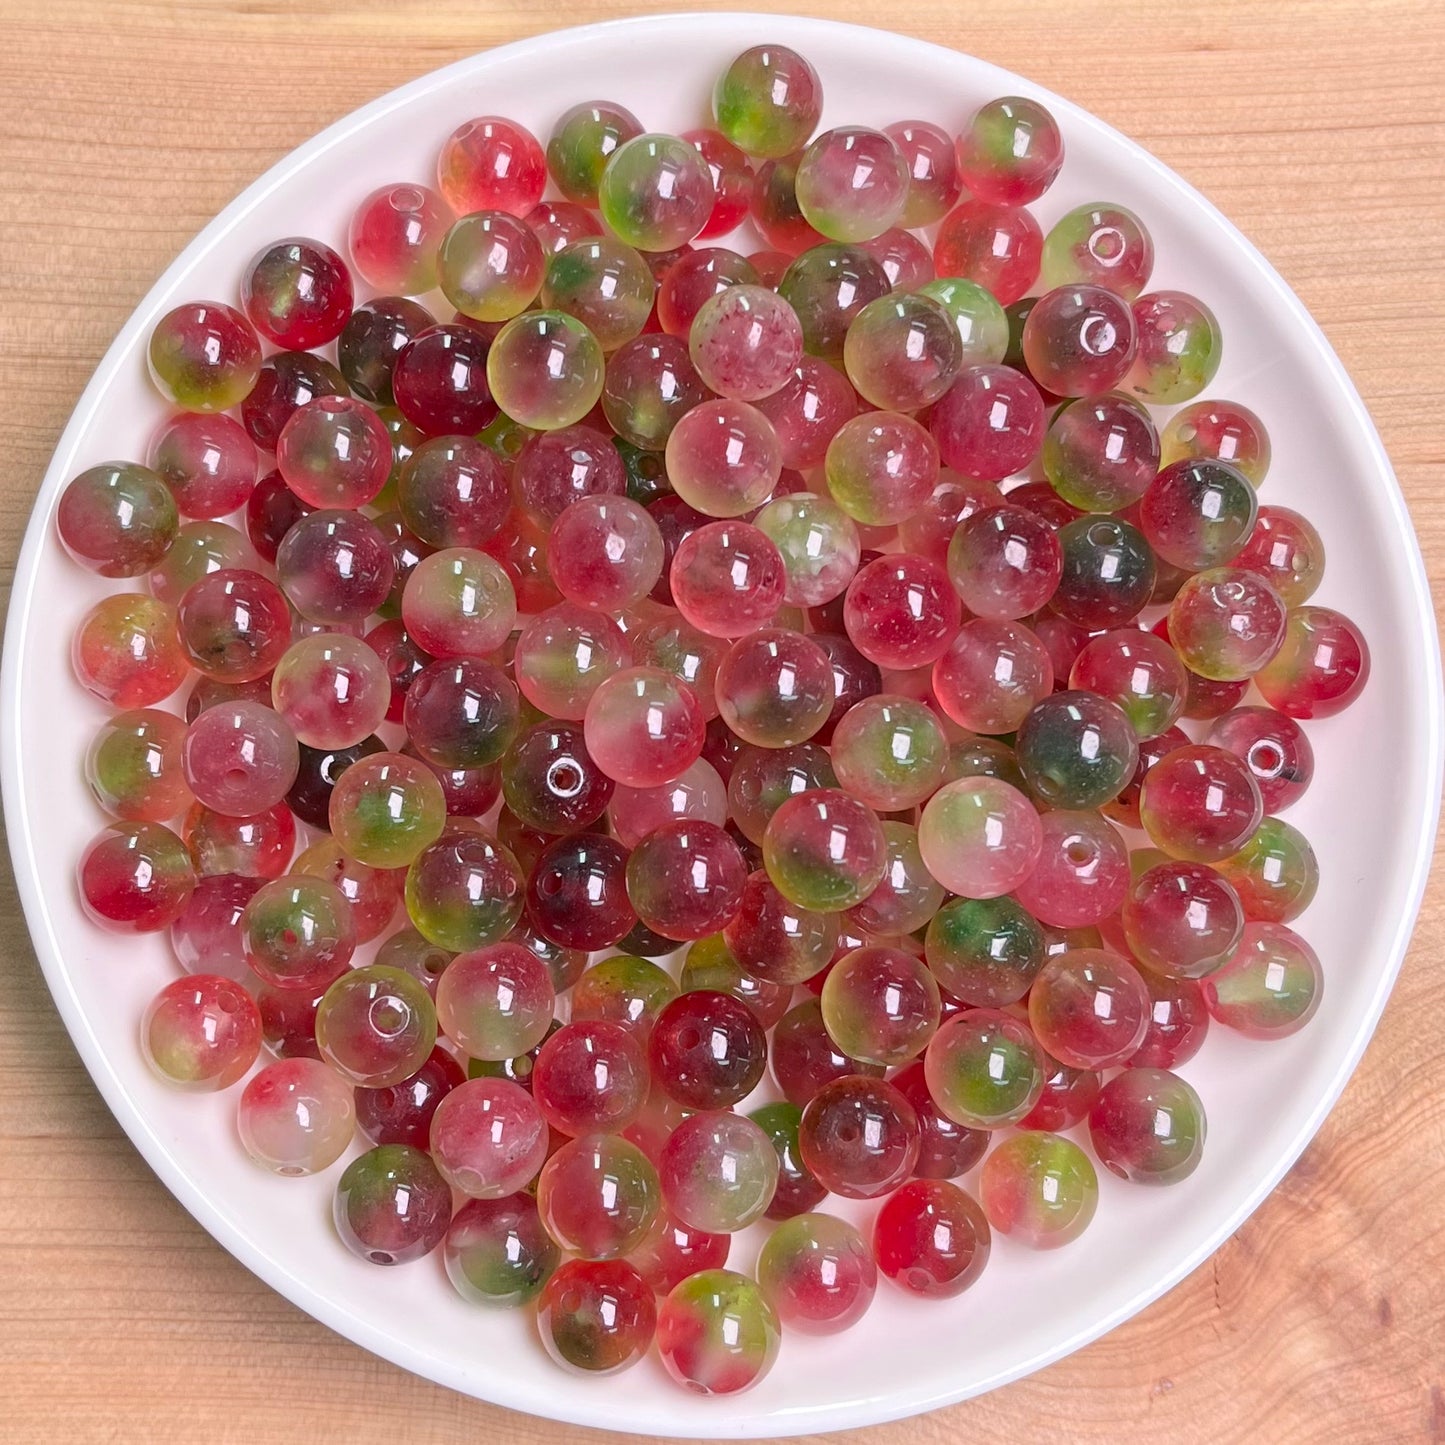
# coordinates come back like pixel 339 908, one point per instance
pixel 810 632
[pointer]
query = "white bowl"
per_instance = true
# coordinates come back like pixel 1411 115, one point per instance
pixel 1371 813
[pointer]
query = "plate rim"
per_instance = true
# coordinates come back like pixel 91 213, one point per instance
pixel 141 1131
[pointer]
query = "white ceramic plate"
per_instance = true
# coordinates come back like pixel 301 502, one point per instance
pixel 1371 813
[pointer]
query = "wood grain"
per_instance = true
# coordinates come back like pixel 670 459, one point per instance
pixel 1317 125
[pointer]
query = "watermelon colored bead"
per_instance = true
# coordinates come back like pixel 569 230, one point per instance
pixel 931 1238
pixel 902 352
pixel 1098 245
pixel 126 651
pixel 880 1005
pixel 989 424
pixel 491 163
pixel 257 847
pixel 297 293
pixel 334 452
pixel 458 602
pixel 1067 1097
pixel 386 809
pixel 1039 1189
pixel 604 284
pixel 818 543
pixel 332 690
pixel 134 766
pixel 685 879
pixel 495 1002
pixel 1180 345
pixel 577 892
pixel 298 932
pixel 201 1033
pixel 598 1196
pixel 1108 576
pixel 979 837
pixel 1287 552
pixel 208 462
pixel 606 552
pixel 881 467
pixel 984 1069
pixel 773 209
pixel 392 1206
pixel 564 654
pixel 859 1136
pixel 997 247
pixel 727 578
pixel 889 752
pixel 1101 453
pixel 1228 624
pixel 1200 803
pixel 581 143
pixel 827 286
pixel 1178 1022
pixel 1271 987
pixel 1275 874
pixel 296 1117
pixel 852 183
pixel 775 940
pixel 980 320
pixel 984 952
pixel 1080 341
pixel 204 356
pixel 402 1113
pixel 497 1253
pixel 1082 872
pixel 240 758
pixel 732 180
pixel 718 1172
pixel 1198 514
pixel 1221 431
pixel 206 937
pixel 376 1026
pixel 440 381
pixel 545 370
pixel 992 675
pixel 697 793
pixel 233 626
pixel 1004 562
pixel 817 1273
pixel 643 727
pixel 767 101
pixel 1077 750
pixel 596 1317
pixel 1009 151
pixel 1148 1126
pixel 624 990
pixel 656 192
pixel 707 1050
pixel 488 1139
pixel 723 458
pixel 1182 919
pixel 825 850
pixel 901 611
pixel 590 1077
pixel 393 238
pixel 118 519
pixel 1139 672
pixel 908 896
pixel 1321 666
pixel 745 342
pixel 1089 1008
pixel 934 183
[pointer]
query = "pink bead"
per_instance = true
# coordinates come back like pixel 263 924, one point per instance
pixel 488 1138
pixel 990 423
pixel 980 837
pixel 1082 873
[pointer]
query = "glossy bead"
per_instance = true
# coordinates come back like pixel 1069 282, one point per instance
pixel 1009 151
pixel 901 612
pixel 718 1171
pixel 984 1069
pixel 989 424
pixel 1321 666
pixel 825 850
pixel 296 1117
pixel 596 1317
pixel 727 578
pixel 852 183
pixel 859 1136
pixel 497 1252
pixel 908 895
pixel 1108 576
pixel 577 893
pixel 598 1196
pixel 624 990
pixel 393 238
pixel 880 1005
pixel 946 1149
pixel 118 519
pixel 902 352
pixel 440 381
pixel 495 1002
pixel 999 247
pixel 1004 563
pixel 1200 803
pixel 402 1113
pixel 817 1273
pixel 259 846
pixel 464 890
pixel 386 809
pixel 208 462
pixel 1148 1125
pixel 979 837
pixel 643 727
pixel 204 356
pixel 1178 1022
pixel 1270 988
pixel 768 100
pixel 984 952
pixel 1222 431
pixel 931 1239
pixel 545 370
pixel 240 758
pixel 656 192
pixel 1275 874
pixel 1089 1009
pixel 334 452
pixel 1179 348
pixel 1101 453
pixel 776 940
pixel 1099 245
pixel 458 602
pixel 488 1138
pixel 1039 1189
pixel 1080 340
pixel 376 1026
pixel 1182 919
pixel 201 1033
pixel 392 1206
pixel 582 140
pixel 992 675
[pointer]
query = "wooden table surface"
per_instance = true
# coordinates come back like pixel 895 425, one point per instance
pixel 1317 125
